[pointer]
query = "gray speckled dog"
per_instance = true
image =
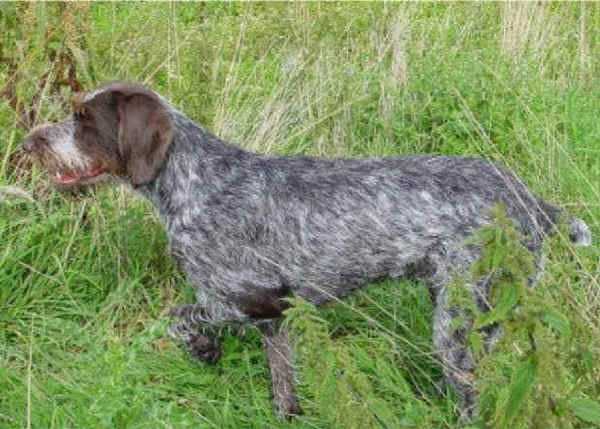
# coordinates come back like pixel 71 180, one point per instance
pixel 249 230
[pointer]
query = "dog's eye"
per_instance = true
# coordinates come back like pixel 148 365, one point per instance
pixel 81 113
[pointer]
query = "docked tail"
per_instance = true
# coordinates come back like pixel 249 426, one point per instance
pixel 579 232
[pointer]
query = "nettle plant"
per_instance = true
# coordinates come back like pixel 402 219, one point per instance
pixel 542 372
pixel 534 376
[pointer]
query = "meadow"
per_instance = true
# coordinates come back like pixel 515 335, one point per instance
pixel 86 280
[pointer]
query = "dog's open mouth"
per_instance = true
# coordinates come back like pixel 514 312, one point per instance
pixel 73 177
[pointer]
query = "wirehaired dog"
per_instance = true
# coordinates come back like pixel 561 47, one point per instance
pixel 250 230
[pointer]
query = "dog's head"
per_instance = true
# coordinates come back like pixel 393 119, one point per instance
pixel 120 130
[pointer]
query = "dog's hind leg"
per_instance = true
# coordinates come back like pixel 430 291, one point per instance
pixel 450 341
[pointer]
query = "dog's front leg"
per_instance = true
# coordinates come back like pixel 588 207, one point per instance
pixel 279 353
pixel 199 332
pixel 197 328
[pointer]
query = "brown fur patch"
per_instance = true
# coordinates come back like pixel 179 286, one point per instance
pixel 264 303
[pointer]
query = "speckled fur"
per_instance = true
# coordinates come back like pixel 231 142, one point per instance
pixel 250 229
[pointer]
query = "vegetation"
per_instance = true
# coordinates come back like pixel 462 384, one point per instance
pixel 537 340
pixel 86 281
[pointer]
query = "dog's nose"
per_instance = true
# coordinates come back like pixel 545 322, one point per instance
pixel 32 141
pixel 28 144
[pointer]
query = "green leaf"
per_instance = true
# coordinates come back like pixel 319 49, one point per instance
pixel 588 358
pixel 586 409
pixel 523 380
pixel 477 344
pixel 511 293
pixel 556 321
pixel 498 249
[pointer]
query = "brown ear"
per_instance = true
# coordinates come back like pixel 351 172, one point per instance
pixel 145 131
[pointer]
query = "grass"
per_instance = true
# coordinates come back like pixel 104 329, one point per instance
pixel 85 283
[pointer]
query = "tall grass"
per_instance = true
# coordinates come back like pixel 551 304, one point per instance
pixel 85 282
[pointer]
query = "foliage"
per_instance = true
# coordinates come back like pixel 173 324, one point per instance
pixel 525 381
pixel 349 386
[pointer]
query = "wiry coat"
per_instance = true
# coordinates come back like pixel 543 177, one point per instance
pixel 249 229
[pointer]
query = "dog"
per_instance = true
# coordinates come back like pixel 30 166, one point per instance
pixel 250 230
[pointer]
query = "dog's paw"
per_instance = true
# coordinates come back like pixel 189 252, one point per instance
pixel 205 348
pixel 287 407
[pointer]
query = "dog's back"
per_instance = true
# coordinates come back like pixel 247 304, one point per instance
pixel 320 228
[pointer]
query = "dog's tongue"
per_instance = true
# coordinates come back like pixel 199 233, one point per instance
pixel 70 178
pixel 65 178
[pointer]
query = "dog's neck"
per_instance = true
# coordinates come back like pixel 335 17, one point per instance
pixel 193 159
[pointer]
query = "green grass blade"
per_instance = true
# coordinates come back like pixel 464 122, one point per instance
pixel 587 410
